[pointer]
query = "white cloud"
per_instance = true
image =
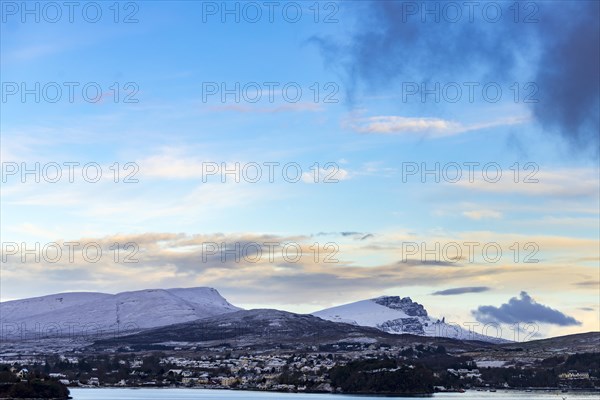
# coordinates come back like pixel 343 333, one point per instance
pixel 332 174
pixel 433 127
pixel 171 164
pixel 482 214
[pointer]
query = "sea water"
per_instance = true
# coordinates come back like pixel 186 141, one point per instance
pixel 205 394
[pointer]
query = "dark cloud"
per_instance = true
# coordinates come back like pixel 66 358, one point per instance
pixel 559 48
pixel 461 290
pixel 344 233
pixel 523 309
pixel 389 43
pixel 569 72
pixel 355 235
pixel 587 309
pixel 350 233
pixel 588 283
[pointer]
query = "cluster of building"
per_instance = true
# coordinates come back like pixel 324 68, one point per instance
pixel 262 372
pixel 573 375
pixel 464 373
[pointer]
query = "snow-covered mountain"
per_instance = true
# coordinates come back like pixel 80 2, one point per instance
pixel 69 314
pixel 397 315
pixel 89 316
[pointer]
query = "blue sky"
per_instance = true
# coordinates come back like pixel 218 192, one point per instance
pixel 366 57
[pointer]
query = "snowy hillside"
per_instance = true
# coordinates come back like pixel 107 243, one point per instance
pixel 12 310
pixel 98 313
pixel 397 315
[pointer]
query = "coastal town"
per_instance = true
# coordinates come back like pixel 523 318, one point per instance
pixel 339 368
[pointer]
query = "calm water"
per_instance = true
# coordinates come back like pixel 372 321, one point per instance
pixel 187 394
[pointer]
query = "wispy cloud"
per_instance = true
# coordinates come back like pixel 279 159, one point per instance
pixel 482 214
pixel 592 284
pixel 429 127
pixel 332 174
pixel 32 52
pixel 561 183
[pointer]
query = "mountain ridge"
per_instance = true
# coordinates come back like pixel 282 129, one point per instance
pixel 101 312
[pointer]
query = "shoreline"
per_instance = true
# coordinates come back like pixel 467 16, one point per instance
pixel 498 390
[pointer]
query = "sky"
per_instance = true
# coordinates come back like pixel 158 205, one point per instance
pixel 301 155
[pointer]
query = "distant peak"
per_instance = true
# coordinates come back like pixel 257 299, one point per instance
pixel 404 304
pixel 397 298
pixel 392 299
pixel 198 289
pixel 203 288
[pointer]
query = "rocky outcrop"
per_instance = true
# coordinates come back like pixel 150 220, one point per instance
pixel 412 326
pixel 404 304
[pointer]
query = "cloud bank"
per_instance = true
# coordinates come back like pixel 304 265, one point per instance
pixel 523 309
pixel 461 290
pixel 557 49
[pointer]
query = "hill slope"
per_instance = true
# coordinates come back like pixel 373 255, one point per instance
pixel 264 328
